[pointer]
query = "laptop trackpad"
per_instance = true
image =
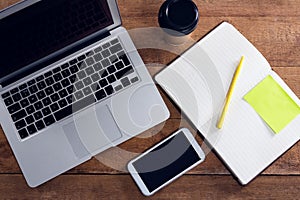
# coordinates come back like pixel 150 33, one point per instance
pixel 96 128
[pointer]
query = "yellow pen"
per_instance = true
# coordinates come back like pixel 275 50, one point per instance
pixel 230 92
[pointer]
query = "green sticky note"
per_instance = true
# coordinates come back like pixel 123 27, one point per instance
pixel 273 104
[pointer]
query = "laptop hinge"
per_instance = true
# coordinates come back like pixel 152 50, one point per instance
pixel 19 75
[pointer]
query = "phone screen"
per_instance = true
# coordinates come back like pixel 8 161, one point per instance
pixel 166 161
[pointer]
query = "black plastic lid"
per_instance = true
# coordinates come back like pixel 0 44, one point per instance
pixel 181 16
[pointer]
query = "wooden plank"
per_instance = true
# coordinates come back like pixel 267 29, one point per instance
pixel 216 8
pixel 123 187
pixel 278 38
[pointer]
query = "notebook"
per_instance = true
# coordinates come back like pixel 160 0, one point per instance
pixel 198 82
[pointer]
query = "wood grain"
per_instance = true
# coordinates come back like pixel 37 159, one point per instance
pixel 273 26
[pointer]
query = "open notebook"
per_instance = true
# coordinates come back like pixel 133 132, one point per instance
pixel 198 82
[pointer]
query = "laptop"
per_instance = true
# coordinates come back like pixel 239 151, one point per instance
pixel 72 84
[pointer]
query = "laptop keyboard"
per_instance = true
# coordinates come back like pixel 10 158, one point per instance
pixel 70 87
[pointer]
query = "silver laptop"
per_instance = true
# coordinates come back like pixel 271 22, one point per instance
pixel 72 84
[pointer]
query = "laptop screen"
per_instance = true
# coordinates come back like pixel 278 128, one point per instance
pixel 46 27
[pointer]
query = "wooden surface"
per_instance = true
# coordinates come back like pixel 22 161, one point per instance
pixel 273 26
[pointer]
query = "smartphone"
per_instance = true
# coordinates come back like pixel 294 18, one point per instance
pixel 166 161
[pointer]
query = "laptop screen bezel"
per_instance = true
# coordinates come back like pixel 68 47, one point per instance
pixel 26 3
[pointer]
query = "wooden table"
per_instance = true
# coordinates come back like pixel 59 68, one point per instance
pixel 273 27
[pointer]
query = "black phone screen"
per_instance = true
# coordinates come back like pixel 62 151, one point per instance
pixel 166 161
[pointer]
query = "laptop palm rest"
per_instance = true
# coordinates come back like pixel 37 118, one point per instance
pixel 96 128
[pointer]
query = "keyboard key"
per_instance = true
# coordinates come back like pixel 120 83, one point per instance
pixel 54 107
pixel 90 61
pixel 30 109
pixel 70 89
pixel 47 101
pixel 33 89
pixel 23 86
pixel 109 90
pixel 95 87
pixel 73 78
pixel 100 94
pixel 46 111
pixel 125 81
pixel 118 88
pixel 31 129
pixel 40 125
pixel 115 41
pixel 49 90
pixel 81 75
pixel 32 99
pixel 57 87
pixel 31 82
pixel 74 69
pixel 79 85
pixel 81 58
pixel 115 48
pixel 29 119
pixel 125 59
pixel 105 53
pixel 39 78
pixel 65 112
pixel 124 72
pixel 89 100
pixel 63 93
pixel 20 124
pixel 17 97
pixel 14 108
pixel 8 101
pixel 135 79
pixel 98 49
pixel 106 45
pixel 70 99
pixel 105 63
pixel 66 73
pixel 54 97
pixel 89 70
pixel 48 74
pixel 14 91
pixel 62 103
pixel 23 133
pixel 119 65
pixel 57 77
pixel 73 62
pixel 41 95
pixel 87 81
pixel 87 91
pixel 103 73
pixel 113 59
pixel 111 78
pixel 49 120
pixel 97 66
pixel 79 95
pixel 25 93
pixel 41 85
pixel 5 95
pixel 66 65
pixel 38 105
pixel 98 57
pixel 49 81
pixel 95 77
pixel 103 83
pixel 56 70
pixel 24 103
pixel 81 65
pixel 90 53
pixel 65 83
pixel 111 69
pixel 18 115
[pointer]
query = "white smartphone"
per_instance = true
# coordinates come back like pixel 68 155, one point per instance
pixel 166 161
